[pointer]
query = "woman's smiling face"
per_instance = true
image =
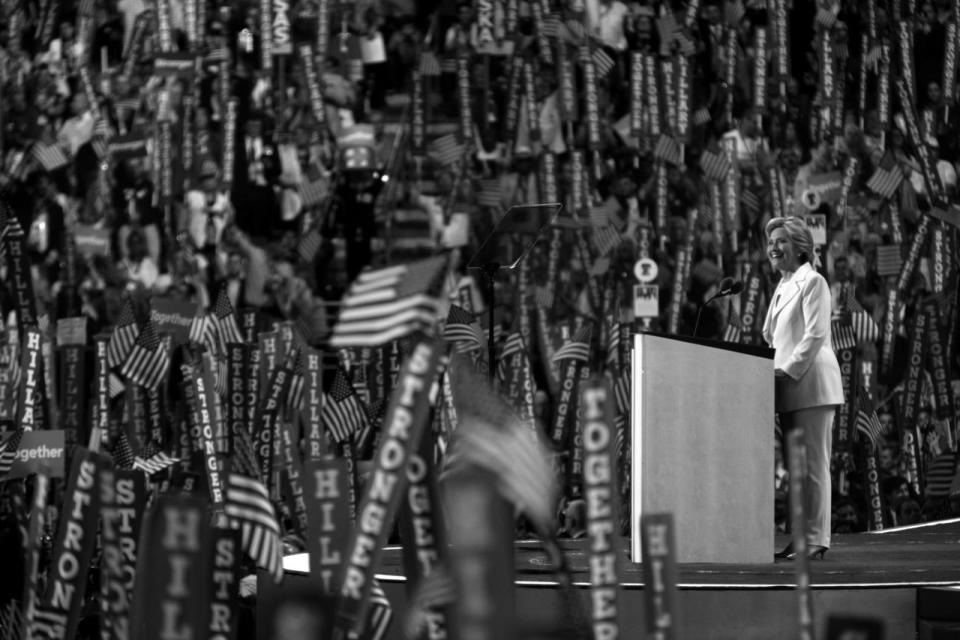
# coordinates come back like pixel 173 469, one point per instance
pixel 782 252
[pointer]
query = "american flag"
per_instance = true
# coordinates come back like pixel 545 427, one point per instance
pixel 492 437
pixel 365 438
pixel 429 65
pixel 513 345
pixel 488 192
pixel 219 54
pixel 309 245
pixel 889 260
pixel 667 150
pixel 379 615
pixel 734 329
pixel 124 335
pixel 153 460
pixel 122 453
pixel 386 304
pixel 750 202
pixel 572 31
pixel 244 460
pixel 715 165
pixel 461 328
pixel 295 392
pixel 621 391
pixel 825 19
pixel 148 362
pixel 115 385
pixel 248 506
pixel 602 62
pixel 685 45
pixel 127 104
pixel 225 320
pixel 448 65
pixel 667 28
pixel 10 360
pixel 701 116
pixel 11 621
pixel 203 332
pixel 864 326
pixel 445 149
pixel 887 177
pixel 867 421
pixel 613 343
pixel 872 57
pixel 550 26
pixel 343 412
pixel 100 148
pixel 577 348
pixel 47 623
pixel 8 451
pixel 940 475
pixel 313 192
pixel 843 336
pixel 50 156
pixel 734 12
pixel 543 297
pixel 605 239
pixel 599 216
pixel 436 589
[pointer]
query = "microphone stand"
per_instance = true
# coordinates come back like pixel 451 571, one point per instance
pixel 703 306
pixel 489 271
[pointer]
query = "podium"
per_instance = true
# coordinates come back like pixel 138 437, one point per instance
pixel 702 434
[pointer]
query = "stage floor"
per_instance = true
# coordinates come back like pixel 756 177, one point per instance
pixel 915 556
pixel 867 575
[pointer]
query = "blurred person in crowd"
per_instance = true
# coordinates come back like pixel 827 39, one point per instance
pixel 894 489
pixel 133 203
pixel 821 161
pixel 842 279
pixel 403 53
pixel 908 512
pixel 605 21
pixel 137 267
pixel 463 33
pixel 247 269
pixel 747 139
pixel 374 52
pixel 207 212
pixel 357 197
pixel 78 129
pixel 808 387
pixel 846 519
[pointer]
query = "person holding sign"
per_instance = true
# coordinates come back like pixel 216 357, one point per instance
pixel 807 374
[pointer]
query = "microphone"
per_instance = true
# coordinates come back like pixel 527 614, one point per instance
pixel 726 287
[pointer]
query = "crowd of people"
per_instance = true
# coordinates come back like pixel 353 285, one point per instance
pixel 671 131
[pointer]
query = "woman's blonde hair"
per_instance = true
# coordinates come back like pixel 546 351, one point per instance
pixel 800 235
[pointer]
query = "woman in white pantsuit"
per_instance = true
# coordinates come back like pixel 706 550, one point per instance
pixel 808 386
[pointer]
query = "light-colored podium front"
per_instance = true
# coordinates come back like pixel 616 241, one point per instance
pixel 703 442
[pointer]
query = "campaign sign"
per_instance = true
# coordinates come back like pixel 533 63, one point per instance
pixel 92 241
pixel 39 452
pixel 818 227
pixel 826 187
pixel 177 65
pixel 128 146
pixel 646 300
pixel 72 331
pixel 173 316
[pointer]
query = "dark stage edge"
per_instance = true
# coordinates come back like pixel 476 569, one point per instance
pixel 872 575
